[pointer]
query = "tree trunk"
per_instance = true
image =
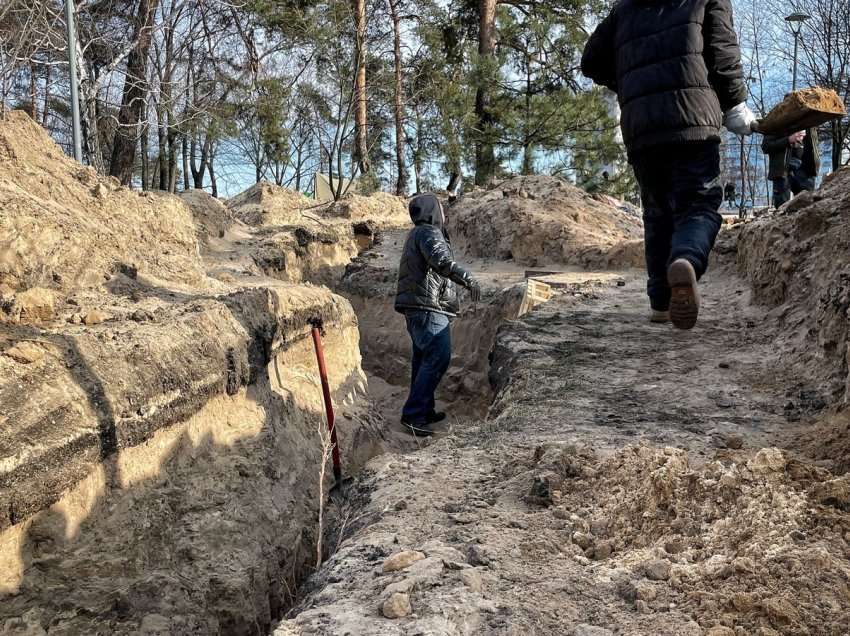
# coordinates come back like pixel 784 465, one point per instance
pixel 213 182
pixel 144 153
pixel 361 144
pixel 398 102
pixel 162 140
pixel 184 154
pixel 418 153
pixel 33 93
pixel 133 100
pixel 199 172
pixel 45 113
pixel 485 157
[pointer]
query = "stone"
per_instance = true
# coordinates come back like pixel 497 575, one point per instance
pixel 720 630
pixel 600 551
pixel 591 630
pixel 768 460
pixel 402 560
pixel 472 579
pixel 94 317
pixel 397 606
pixel 645 591
pixel 656 569
pixel 734 441
pixel 25 353
pixel 582 540
pixel 34 306
pixel 546 489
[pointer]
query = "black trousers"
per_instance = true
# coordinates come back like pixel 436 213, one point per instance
pixel 796 181
pixel 681 193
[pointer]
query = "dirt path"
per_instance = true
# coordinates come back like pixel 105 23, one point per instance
pixel 617 487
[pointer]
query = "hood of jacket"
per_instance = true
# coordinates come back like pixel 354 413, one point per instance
pixel 426 208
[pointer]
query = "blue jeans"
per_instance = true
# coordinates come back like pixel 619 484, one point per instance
pixel 681 192
pixel 431 338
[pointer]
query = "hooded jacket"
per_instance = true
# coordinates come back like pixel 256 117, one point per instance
pixel 428 271
pixel 675 66
pixel 778 150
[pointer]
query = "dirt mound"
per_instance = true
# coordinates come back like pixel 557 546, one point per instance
pixel 62 226
pixel 381 209
pixel 798 261
pixel 541 220
pixel 212 217
pixel 755 538
pixel 269 204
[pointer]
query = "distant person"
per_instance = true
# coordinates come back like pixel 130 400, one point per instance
pixel 428 299
pixel 794 164
pixel 676 68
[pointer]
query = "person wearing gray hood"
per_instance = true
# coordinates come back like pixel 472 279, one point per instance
pixel 676 68
pixel 428 298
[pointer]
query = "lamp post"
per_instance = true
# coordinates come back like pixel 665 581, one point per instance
pixel 795 21
pixel 72 64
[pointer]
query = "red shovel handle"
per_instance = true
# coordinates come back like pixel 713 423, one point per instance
pixel 329 407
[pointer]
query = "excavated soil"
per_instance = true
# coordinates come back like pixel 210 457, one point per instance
pixel 626 481
pixel 160 407
pixel 542 221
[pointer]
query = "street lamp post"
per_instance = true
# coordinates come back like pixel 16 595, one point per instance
pixel 75 96
pixel 795 21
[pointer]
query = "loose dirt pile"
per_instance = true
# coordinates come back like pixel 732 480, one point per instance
pixel 538 221
pixel 62 226
pixel 797 262
pixel 212 217
pixel 381 210
pixel 269 204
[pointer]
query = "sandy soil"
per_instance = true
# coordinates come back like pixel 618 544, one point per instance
pixel 626 481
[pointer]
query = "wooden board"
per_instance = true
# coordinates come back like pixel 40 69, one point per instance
pixel 801 110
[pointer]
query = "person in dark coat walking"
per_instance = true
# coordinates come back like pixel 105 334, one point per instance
pixel 428 298
pixel 794 163
pixel 676 68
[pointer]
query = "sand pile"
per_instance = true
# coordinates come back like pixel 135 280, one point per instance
pixel 269 204
pixel 798 261
pixel 381 210
pixel 754 539
pixel 212 217
pixel 541 220
pixel 62 226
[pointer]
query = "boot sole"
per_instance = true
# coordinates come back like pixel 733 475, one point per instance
pixel 416 431
pixel 684 301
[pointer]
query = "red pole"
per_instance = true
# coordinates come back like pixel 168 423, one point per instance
pixel 329 407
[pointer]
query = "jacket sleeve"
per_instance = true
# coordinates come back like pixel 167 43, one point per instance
pixel 599 59
pixel 772 145
pixel 723 55
pixel 438 255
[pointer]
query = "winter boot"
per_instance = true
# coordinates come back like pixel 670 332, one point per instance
pixel 684 302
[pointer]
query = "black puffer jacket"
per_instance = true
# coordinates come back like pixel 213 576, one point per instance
pixel 675 66
pixel 778 149
pixel 428 271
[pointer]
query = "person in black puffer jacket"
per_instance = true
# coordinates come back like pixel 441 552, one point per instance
pixel 676 68
pixel 428 298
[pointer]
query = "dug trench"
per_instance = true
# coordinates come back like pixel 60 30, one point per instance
pixel 626 478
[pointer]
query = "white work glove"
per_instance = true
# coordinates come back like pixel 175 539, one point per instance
pixel 740 119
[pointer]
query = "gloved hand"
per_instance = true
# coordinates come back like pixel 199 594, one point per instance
pixel 740 119
pixel 474 290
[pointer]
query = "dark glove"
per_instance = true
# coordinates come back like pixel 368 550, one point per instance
pixel 474 290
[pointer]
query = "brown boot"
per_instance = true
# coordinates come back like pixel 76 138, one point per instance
pixel 684 302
